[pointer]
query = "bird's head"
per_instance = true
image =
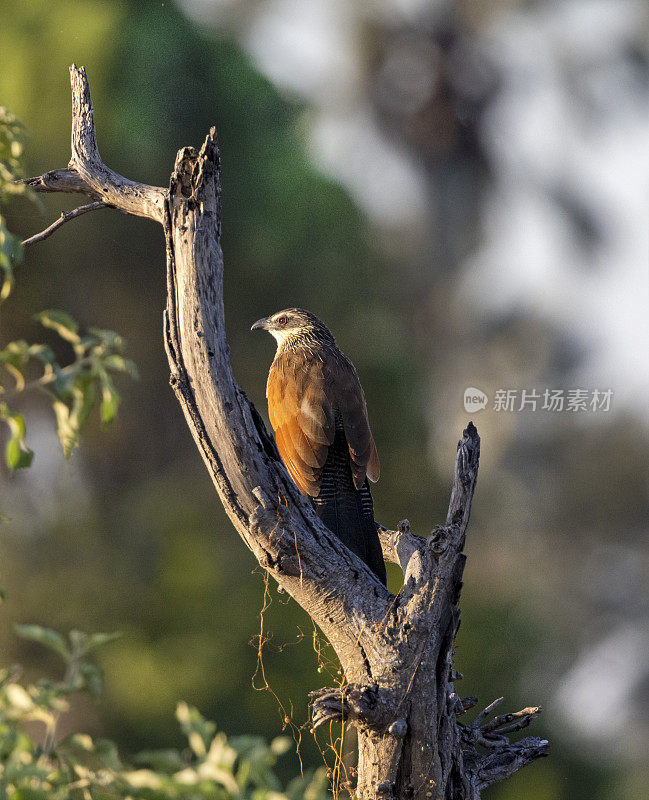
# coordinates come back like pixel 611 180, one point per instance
pixel 294 325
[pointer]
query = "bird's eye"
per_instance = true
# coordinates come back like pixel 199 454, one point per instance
pixel 282 320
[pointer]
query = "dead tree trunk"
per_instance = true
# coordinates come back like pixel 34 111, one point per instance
pixel 396 651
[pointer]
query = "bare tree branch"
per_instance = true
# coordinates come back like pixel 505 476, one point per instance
pixel 503 763
pixel 135 198
pixel 277 523
pixel 87 173
pixel 399 546
pixel 60 180
pixel 66 216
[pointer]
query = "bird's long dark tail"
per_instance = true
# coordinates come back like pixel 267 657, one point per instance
pixel 346 511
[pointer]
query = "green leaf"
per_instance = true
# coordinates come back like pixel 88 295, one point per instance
pixel 168 760
pixel 197 729
pixel 120 364
pixel 83 643
pixel 109 338
pixel 44 636
pixel 110 399
pixel 68 435
pixel 79 641
pixel 42 352
pixel 83 398
pixel 61 388
pixel 11 254
pixel 61 322
pixel 281 745
pixel 89 758
pixel 17 454
pixel 98 639
pixel 93 679
pixel 11 170
pixel 69 419
pixel 9 674
pixel 108 754
pixel 15 353
pixel 12 133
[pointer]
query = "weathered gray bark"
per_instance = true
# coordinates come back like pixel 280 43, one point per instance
pixel 396 652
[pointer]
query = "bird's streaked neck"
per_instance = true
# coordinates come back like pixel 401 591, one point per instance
pixel 281 337
pixel 302 339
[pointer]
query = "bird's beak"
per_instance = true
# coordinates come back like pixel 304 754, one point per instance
pixel 261 324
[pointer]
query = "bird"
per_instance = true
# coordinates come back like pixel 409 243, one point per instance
pixel 318 412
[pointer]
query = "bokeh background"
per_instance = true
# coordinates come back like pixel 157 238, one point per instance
pixel 460 189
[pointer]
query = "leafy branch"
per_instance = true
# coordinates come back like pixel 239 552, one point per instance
pixel 74 389
pixel 12 135
pixel 211 766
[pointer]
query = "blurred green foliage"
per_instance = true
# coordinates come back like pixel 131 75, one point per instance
pixel 11 170
pixel 74 388
pixel 36 764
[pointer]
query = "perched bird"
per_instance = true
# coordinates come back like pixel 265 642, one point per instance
pixel 317 409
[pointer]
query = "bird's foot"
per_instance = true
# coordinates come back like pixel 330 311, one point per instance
pixel 350 703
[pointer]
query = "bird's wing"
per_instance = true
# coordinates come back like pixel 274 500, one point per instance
pixel 346 391
pixel 304 395
pixel 302 417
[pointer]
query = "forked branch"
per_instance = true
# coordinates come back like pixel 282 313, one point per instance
pixel 87 174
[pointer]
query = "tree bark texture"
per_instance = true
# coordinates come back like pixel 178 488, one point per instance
pixel 396 651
